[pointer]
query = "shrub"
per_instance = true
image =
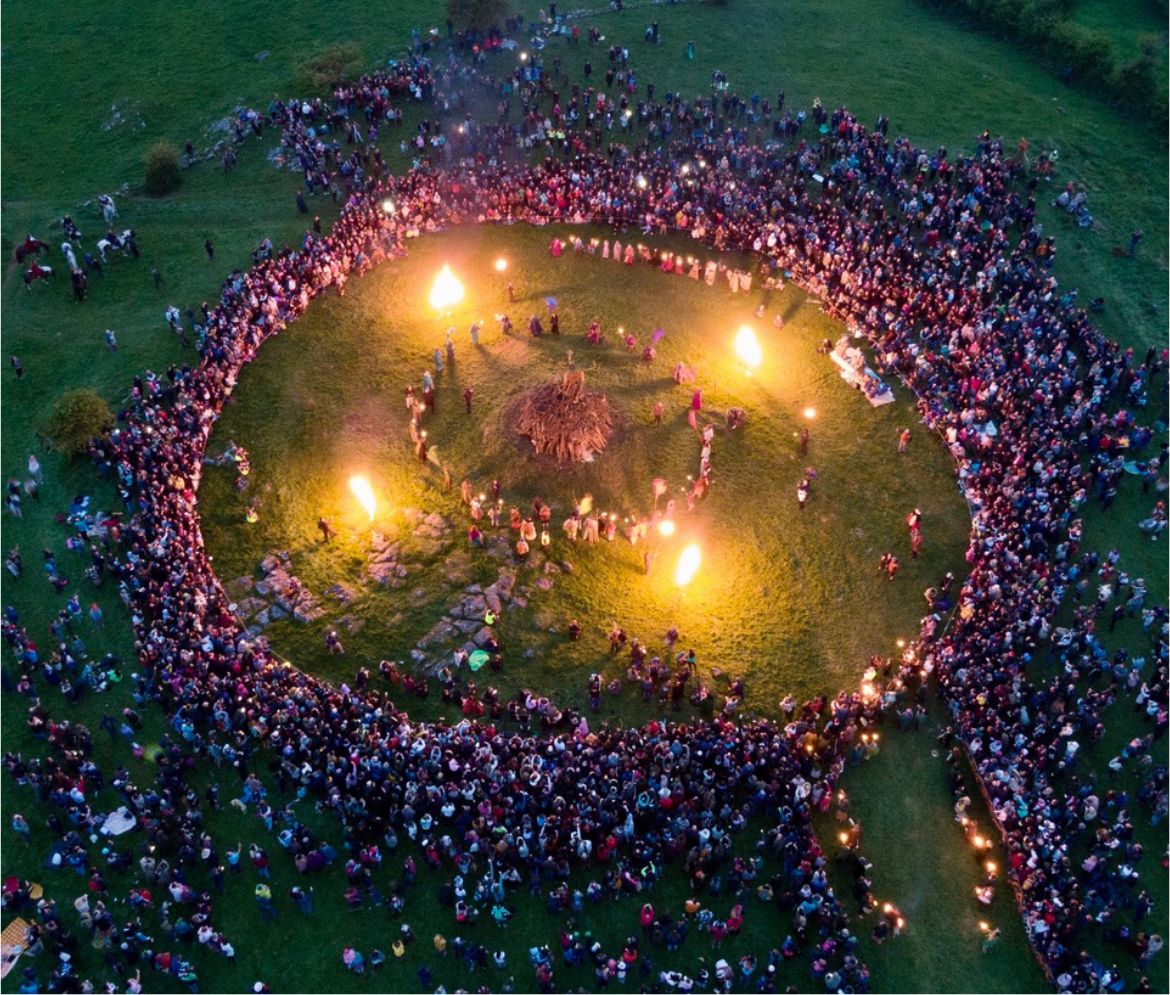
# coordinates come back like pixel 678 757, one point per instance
pixel 1136 82
pixel 322 72
pixel 1087 54
pixel 78 416
pixel 162 169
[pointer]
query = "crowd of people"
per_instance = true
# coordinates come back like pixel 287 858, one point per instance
pixel 939 261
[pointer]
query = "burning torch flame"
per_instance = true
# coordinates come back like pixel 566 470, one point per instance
pixel 364 493
pixel 747 347
pixel 688 565
pixel 447 291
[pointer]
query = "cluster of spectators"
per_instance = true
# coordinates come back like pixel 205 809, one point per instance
pixel 940 262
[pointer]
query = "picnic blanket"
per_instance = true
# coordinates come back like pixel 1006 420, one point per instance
pixel 13 943
pixel 119 821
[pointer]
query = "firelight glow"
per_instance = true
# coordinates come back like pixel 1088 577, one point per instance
pixel 447 291
pixel 361 489
pixel 747 347
pixel 388 206
pixel 810 413
pixel 501 264
pixel 688 565
pixel 666 527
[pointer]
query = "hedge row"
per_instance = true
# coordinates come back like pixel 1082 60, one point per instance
pixel 1077 52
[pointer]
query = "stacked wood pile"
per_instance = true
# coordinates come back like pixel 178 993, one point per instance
pixel 564 420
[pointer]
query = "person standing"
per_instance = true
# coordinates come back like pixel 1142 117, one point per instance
pixel 468 394
pixel 327 531
pixel 209 249
pixel 904 440
pixel 264 902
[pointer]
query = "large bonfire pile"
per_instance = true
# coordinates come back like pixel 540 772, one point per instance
pixel 564 420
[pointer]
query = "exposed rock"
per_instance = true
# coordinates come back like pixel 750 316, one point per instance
pixel 307 613
pixel 491 599
pixel 276 612
pixel 567 566
pixel 237 587
pixel 441 632
pixel 520 602
pixel 342 592
pixel 474 589
pixel 481 638
pixel 412 515
pixel 544 583
pixel 263 618
pixel 468 625
pixel 381 573
pixel 249 606
pixel 418 656
pixel 419 595
pixel 473 606
pixel 506 580
pixel 551 568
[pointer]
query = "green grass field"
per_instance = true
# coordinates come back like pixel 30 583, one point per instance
pixel 64 67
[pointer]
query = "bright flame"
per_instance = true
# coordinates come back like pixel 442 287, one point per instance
pixel 501 264
pixel 364 493
pixel 810 413
pixel 388 206
pixel 642 183
pixel 688 565
pixel 747 347
pixel 447 291
pixel 666 527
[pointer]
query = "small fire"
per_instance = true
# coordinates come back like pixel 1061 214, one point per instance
pixel 447 291
pixel 361 489
pixel 666 527
pixel 388 206
pixel 688 565
pixel 501 264
pixel 747 347
pixel 810 413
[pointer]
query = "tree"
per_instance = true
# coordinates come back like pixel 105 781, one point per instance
pixel 324 71
pixel 478 14
pixel 78 416
pixel 162 169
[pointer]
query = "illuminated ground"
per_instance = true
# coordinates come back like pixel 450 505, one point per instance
pixel 790 600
